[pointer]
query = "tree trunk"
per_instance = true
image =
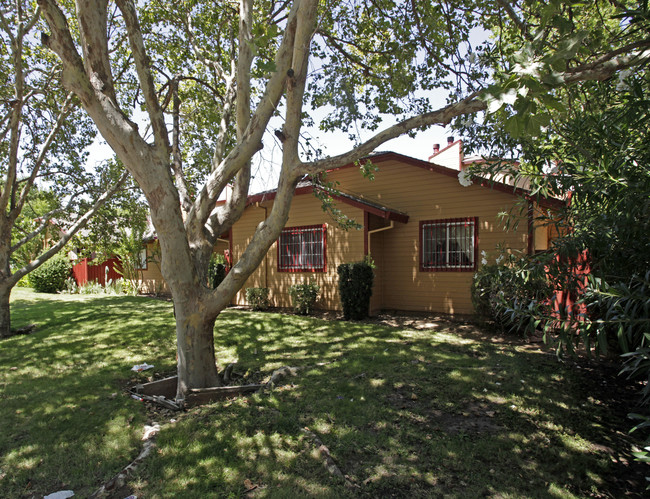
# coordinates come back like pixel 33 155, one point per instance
pixel 195 345
pixel 5 315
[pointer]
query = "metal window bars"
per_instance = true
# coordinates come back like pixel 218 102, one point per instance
pixel 302 248
pixel 448 244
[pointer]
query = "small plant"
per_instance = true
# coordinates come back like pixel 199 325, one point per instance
pixel 258 298
pixel 355 287
pixel 216 271
pixel 51 276
pixel 304 296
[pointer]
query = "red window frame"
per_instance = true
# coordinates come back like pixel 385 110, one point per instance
pixel 441 259
pixel 301 240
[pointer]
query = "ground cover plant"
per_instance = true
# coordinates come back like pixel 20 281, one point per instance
pixel 425 408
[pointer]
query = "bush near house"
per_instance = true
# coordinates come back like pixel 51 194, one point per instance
pixel 304 296
pixel 258 298
pixel 517 283
pixel 216 271
pixel 355 288
pixel 51 276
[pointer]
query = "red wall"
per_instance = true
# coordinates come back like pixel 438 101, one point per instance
pixel 83 272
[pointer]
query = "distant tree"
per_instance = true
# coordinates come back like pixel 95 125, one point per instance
pixel 368 60
pixel 43 134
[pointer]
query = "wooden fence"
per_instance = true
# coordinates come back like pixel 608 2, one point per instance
pixel 83 272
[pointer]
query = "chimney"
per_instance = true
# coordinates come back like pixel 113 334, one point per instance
pixel 436 148
pixel 450 140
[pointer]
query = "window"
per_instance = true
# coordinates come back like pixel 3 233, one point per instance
pixel 141 260
pixel 302 249
pixel 448 244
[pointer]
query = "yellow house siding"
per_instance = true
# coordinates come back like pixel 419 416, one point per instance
pixel 152 280
pixel 341 246
pixel 426 195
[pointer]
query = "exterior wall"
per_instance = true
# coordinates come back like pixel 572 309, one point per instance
pixel 426 195
pixel 341 246
pixel 450 156
pixel 152 280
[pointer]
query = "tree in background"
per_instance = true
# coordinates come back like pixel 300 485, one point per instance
pixel 368 60
pixel 44 133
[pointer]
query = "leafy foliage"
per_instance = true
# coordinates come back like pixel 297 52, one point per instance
pixel 304 296
pixel 51 276
pixel 258 298
pixel 355 288
pixel 517 282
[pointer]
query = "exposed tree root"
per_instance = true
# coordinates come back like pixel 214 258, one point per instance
pixel 20 331
pixel 328 461
pixel 119 480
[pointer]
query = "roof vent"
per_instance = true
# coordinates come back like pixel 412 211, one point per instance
pixel 450 140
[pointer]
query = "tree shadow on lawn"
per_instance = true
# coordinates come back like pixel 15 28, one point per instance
pixel 67 422
pixel 404 413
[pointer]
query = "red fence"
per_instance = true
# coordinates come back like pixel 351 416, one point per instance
pixel 83 272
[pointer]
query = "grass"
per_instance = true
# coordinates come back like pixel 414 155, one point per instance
pixel 434 412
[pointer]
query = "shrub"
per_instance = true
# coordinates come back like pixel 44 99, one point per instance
pixel 500 290
pixel 355 288
pixel 216 271
pixel 51 276
pixel 258 298
pixel 304 296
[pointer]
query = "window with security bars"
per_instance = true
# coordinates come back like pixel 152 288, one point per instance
pixel 448 244
pixel 302 249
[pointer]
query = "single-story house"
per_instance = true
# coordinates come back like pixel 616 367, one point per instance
pixel 426 233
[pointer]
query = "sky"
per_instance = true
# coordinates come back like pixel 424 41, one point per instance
pixel 265 165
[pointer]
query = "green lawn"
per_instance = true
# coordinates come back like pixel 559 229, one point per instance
pixel 405 412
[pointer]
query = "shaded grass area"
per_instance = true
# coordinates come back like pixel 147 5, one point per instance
pixel 66 421
pixel 433 412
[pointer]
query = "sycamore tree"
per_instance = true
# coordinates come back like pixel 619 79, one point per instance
pixel 43 132
pixel 215 75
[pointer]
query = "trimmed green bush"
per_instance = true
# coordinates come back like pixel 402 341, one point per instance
pixel 258 298
pixel 304 296
pixel 355 288
pixel 52 275
pixel 216 272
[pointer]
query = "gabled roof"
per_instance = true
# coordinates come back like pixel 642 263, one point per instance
pixel 443 170
pixel 307 187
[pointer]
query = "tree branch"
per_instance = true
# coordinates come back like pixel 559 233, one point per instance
pixel 442 116
pixel 79 224
pixel 161 138
pixel 251 140
pixel 44 150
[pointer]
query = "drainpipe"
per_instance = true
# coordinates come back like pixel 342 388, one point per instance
pixel 392 224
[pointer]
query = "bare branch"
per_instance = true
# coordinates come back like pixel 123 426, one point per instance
pixel 144 73
pixel 439 117
pixel 251 140
pixel 79 224
pixel 44 150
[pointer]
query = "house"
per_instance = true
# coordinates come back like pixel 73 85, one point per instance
pixel 426 233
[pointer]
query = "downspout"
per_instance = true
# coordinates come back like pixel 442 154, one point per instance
pixel 392 224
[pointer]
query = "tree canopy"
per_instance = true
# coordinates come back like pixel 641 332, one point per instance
pixel 210 78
